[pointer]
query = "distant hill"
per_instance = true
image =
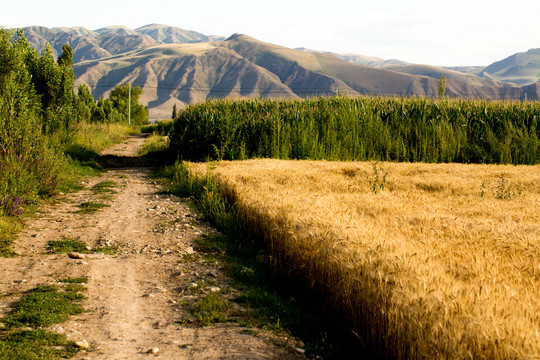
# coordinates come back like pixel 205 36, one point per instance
pixel 359 59
pixel 176 66
pixel 172 35
pixel 521 68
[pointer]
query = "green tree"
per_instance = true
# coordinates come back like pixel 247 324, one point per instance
pixel 119 97
pixel 442 87
pixel 53 81
pixel 174 112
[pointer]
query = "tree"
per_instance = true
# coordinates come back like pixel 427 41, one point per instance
pixel 53 81
pixel 174 112
pixel 442 87
pixel 119 97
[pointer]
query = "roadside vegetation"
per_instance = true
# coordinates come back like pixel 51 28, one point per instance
pixel 50 134
pixel 50 137
pixel 23 334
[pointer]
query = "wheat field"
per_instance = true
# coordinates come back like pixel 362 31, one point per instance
pixel 426 261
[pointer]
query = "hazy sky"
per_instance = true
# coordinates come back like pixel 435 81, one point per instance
pixel 459 32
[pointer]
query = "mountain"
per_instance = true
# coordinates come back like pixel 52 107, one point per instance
pixel 172 35
pixel 176 66
pixel 359 59
pixel 521 68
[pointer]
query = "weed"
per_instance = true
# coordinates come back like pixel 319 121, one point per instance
pixel 210 309
pixel 44 306
pixel 104 187
pixel 155 144
pixel 75 288
pixel 107 250
pixel 9 226
pixel 80 280
pixel 66 246
pixel 90 207
pixel 36 344
pixel 377 181
pixel 505 190
pixel 188 258
pixel 483 189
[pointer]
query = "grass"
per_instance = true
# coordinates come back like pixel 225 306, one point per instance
pixel 424 267
pixel 66 246
pixel 62 173
pixel 154 144
pixel 95 137
pixel 9 226
pixel 90 207
pixel 210 309
pixel 44 306
pixel 75 245
pixel 80 280
pixel 36 344
pixel 104 187
pixel 23 336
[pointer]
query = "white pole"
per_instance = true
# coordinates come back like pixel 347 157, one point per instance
pixel 129 105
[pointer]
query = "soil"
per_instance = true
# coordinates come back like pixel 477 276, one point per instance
pixel 144 277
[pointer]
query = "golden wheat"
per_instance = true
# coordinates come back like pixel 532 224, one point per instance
pixel 438 264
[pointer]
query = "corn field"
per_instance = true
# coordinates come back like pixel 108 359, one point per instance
pixel 362 128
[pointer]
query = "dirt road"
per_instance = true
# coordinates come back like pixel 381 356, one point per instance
pixel 143 283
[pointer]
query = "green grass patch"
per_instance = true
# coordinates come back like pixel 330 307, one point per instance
pixel 36 344
pixel 154 144
pixel 75 288
pixel 90 207
pixel 23 336
pixel 44 306
pixel 79 280
pixel 107 250
pixel 104 187
pixel 9 226
pixel 211 309
pixel 66 246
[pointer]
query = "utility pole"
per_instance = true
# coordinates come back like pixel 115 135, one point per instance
pixel 129 104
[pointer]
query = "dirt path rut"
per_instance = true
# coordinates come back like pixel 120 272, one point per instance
pixel 142 279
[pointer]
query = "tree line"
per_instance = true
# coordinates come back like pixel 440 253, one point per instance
pixel 40 111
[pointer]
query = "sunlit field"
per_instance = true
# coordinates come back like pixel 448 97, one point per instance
pixel 426 261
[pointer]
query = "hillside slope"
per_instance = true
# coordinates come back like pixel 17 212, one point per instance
pixel 179 66
pixel 521 68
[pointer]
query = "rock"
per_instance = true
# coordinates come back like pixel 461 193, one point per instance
pixel 212 274
pixel 20 281
pixel 214 289
pixel 160 324
pixel 75 255
pixel 83 344
pixel 192 286
pixel 189 250
pixel 153 351
pixel 300 350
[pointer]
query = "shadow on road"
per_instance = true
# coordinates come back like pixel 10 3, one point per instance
pixel 109 161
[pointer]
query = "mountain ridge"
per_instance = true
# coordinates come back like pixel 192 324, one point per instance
pixel 177 66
